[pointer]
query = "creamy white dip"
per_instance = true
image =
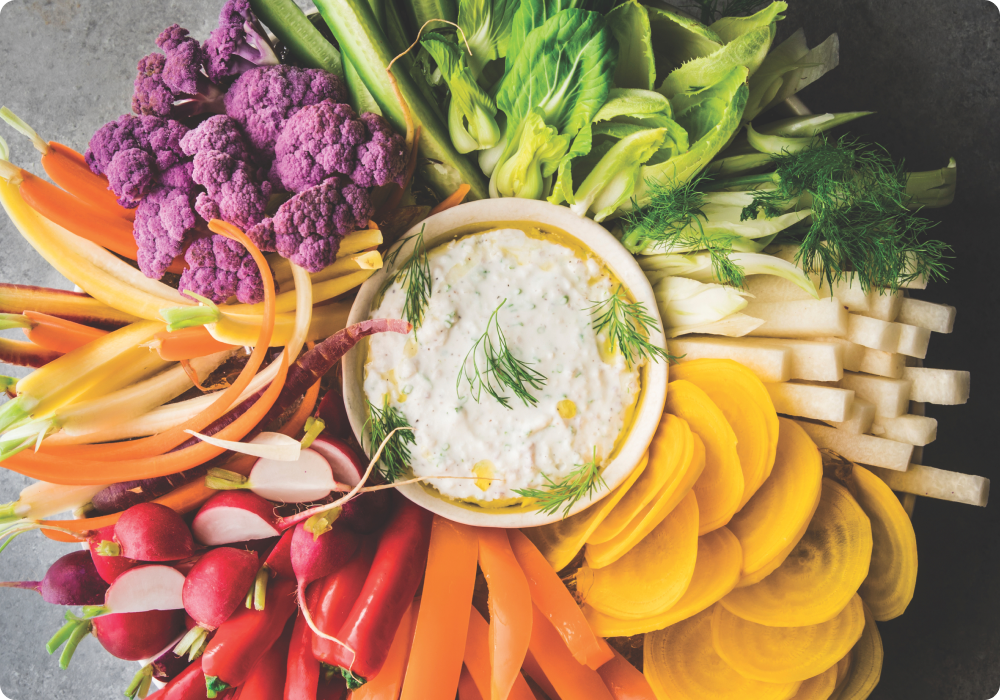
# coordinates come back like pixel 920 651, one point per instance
pixel 547 320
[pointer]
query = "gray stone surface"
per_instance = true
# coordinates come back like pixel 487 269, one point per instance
pixel 930 69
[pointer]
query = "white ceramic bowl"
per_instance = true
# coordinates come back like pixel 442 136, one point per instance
pixel 469 218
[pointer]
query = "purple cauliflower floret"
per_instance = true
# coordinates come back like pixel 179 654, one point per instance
pixel 263 99
pixel 232 192
pixel 218 133
pixel 238 44
pixel 319 141
pixel 218 268
pixel 162 223
pixel 131 175
pixel 151 94
pixel 382 159
pixel 308 227
pixel 182 69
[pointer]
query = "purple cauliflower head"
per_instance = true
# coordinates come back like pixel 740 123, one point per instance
pixel 317 142
pixel 218 133
pixel 232 192
pixel 151 94
pixel 382 158
pixel 218 268
pixel 238 44
pixel 162 223
pixel 132 173
pixel 263 99
pixel 182 69
pixel 308 227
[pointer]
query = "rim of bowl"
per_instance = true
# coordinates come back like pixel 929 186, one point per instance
pixel 447 225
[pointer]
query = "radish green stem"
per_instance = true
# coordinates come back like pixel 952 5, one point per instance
pixel 60 637
pixel 225 480
pixel 139 687
pixel 107 548
pixel 260 588
pixel 72 633
pixel 193 643
pixel 214 686
pixel 313 427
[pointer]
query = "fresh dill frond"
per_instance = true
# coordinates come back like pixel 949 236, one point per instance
pixel 674 219
pixel 860 223
pixel 711 10
pixel 564 494
pixel 628 325
pixel 499 370
pixel 414 276
pixel 381 422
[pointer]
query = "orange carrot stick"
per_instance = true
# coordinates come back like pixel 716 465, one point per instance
pixel 452 200
pixel 69 170
pixel 570 678
pixel 58 334
pixel 477 661
pixel 386 685
pixel 557 604
pixel 624 681
pixel 467 689
pixel 187 344
pixel 534 672
pixel 510 609
pixel 439 644
pixel 22 354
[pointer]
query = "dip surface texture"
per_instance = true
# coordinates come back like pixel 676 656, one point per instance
pixel 547 321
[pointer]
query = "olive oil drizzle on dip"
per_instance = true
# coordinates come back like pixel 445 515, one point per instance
pixel 585 402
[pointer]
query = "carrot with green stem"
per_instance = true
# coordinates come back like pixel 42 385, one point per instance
pixel 50 332
pixel 452 200
pixel 69 306
pixel 187 344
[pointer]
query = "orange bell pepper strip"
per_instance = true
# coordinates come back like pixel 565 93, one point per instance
pixel 535 673
pixel 555 601
pixel 510 609
pixel 477 661
pixel 59 334
pixel 624 681
pixel 439 643
pixel 570 678
pixel 386 685
pixel 452 200
pixel 467 689
pixel 187 344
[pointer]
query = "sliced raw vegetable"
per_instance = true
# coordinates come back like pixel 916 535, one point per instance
pixel 389 681
pixel 153 587
pixel 819 687
pixel 71 306
pixel 569 678
pixel 938 483
pixel 866 664
pixel 624 681
pixel 477 661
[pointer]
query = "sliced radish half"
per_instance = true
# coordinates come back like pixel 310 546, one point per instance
pixel 344 461
pixel 307 479
pixel 154 587
pixel 235 516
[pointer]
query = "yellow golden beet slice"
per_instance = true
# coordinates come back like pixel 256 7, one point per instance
pixel 865 664
pixel 562 540
pixel 653 575
pixel 680 663
pixel 716 571
pixel 720 487
pixel 844 665
pixel 768 568
pixel 666 462
pixel 785 654
pixel 818 687
pixel 606 553
pixel 771 522
pixel 748 409
pixel 893 573
pixel 821 575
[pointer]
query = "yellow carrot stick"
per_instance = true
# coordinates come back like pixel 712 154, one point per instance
pixel 242 330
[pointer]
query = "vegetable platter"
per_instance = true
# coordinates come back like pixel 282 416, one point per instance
pixel 261 549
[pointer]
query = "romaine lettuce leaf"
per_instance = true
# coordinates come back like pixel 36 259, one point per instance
pixel 636 68
pixel 678 39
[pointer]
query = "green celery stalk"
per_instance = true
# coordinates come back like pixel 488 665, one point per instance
pixel 367 48
pixel 294 30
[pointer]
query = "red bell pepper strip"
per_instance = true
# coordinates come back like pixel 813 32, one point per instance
pixel 332 689
pixel 391 584
pixel 569 677
pixel 624 681
pixel 244 638
pixel 335 598
pixel 386 685
pixel 189 684
pixel 302 679
pixel 267 679
pixel 533 671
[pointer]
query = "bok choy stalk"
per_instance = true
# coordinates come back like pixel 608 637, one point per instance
pixel 486 26
pixel 688 306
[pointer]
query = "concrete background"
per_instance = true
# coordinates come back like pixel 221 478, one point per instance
pixel 932 72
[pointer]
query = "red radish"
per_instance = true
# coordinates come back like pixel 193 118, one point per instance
pixel 129 636
pixel 333 412
pixel 305 480
pixel 218 584
pixel 153 532
pixel 368 511
pixel 280 558
pixel 151 587
pixel 318 551
pixel 72 579
pixel 109 567
pixel 235 516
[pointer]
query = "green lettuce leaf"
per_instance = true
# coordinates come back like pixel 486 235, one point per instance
pixel 748 50
pixel 790 67
pixel 678 39
pixel 636 68
pixel 534 13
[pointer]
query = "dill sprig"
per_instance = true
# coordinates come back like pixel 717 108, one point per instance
pixel 564 494
pixel 712 10
pixel 414 276
pixel 860 223
pixel 500 368
pixel 675 220
pixel 381 422
pixel 628 326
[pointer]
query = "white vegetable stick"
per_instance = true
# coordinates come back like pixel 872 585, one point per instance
pixel 810 401
pixel 799 319
pixel 939 318
pixel 850 294
pixel 946 387
pixel 909 501
pixel 863 449
pixel 884 307
pixel 884 364
pixel 913 340
pixel 872 333
pixel 859 419
pixel 890 396
pixel 770 363
pixel 769 288
pixel 918 283
pixel 916 430
pixel 811 360
pixel 851 352
pixel 938 483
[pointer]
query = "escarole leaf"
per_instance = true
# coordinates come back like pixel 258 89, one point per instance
pixel 633 103
pixel 678 39
pixel 636 67
pixel 748 50
pixel 790 67
pixel 472 113
pixel 486 25
pixel 532 14
pixel 731 28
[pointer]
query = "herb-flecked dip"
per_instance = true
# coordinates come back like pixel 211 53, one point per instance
pixel 519 291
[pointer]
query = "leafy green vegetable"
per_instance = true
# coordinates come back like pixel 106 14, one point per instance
pixel 730 27
pixel 539 150
pixel 748 50
pixel 629 23
pixel 678 39
pixel 564 494
pixel 711 10
pixel 471 113
pixel 532 14
pixel 487 27
pixel 627 325
pixel 500 368
pixel 790 67
pixel 395 459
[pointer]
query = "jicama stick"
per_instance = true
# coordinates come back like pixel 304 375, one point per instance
pixel 915 430
pixel 863 449
pixel 771 363
pixel 883 304
pixel 945 387
pixel 799 319
pixel 812 360
pixel 859 420
pixel 810 401
pixel 890 396
pixel 72 306
pixel 882 364
pixel 938 483
pixel 939 318
pixel 872 333
pixel 913 341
